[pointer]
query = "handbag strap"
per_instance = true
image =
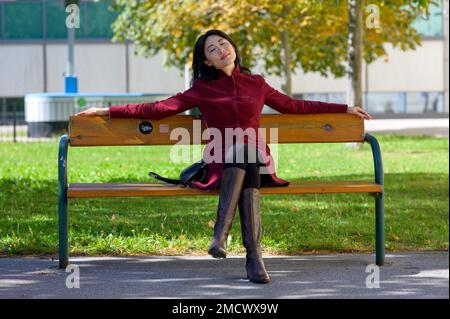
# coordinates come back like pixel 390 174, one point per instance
pixel 164 179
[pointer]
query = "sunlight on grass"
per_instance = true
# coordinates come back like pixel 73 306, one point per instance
pixel 416 201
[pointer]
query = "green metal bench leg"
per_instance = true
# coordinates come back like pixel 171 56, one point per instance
pixel 379 227
pixel 379 199
pixel 62 202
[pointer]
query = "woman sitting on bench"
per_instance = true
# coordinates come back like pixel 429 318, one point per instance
pixel 230 97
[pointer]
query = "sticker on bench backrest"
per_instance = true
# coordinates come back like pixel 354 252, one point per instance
pixel 163 128
pixel 145 127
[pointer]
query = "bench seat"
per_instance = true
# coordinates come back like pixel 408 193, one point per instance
pixel 158 189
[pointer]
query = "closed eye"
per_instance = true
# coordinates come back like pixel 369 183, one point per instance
pixel 222 43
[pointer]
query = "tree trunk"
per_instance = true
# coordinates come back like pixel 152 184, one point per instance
pixel 356 49
pixel 287 87
pixel 355 25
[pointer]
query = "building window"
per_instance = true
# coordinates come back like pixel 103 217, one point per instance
pixel 425 102
pixel 2 20
pixel 25 19
pixel 335 97
pixel 22 20
pixel 433 25
pixel 55 19
pixel 99 19
pixel 385 103
pixel 12 108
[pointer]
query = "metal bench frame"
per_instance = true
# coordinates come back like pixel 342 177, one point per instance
pixel 63 187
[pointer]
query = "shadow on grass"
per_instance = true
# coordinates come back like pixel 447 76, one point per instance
pixel 416 207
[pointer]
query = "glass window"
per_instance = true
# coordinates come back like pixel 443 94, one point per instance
pixel 1 20
pixel 95 20
pixel 433 25
pixel 425 102
pixel 335 97
pixel 315 97
pixel 386 103
pixel 23 20
pixel 11 105
pixel 55 19
pixel 99 19
pixel 81 31
pixel 15 103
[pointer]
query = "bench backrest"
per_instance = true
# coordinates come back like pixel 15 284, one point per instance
pixel 292 128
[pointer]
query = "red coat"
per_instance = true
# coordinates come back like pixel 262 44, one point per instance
pixel 228 102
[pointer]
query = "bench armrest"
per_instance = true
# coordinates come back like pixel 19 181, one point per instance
pixel 377 160
pixel 62 161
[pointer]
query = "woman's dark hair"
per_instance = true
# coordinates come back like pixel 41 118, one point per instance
pixel 203 71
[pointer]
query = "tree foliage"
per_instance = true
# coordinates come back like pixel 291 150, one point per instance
pixel 317 30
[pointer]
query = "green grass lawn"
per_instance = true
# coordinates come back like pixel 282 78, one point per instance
pixel 416 201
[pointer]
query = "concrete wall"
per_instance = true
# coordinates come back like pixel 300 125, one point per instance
pixel 21 69
pixel 99 67
pixel 149 76
pixel 106 67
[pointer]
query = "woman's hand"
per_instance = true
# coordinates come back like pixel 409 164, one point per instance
pixel 94 111
pixel 360 112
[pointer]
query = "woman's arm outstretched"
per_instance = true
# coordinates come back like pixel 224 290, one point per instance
pixel 285 104
pixel 175 104
pixel 94 111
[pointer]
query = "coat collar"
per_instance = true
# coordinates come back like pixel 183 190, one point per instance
pixel 236 71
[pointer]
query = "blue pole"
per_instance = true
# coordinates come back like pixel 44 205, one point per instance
pixel 70 80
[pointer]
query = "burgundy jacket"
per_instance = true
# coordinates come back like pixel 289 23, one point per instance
pixel 228 102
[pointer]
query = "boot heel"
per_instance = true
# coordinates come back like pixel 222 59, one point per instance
pixel 217 252
pixel 256 271
pixel 260 280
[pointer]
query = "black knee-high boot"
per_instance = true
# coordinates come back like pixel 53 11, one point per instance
pixel 230 190
pixel 251 232
pixel 249 213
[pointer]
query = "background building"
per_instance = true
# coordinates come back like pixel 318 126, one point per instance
pixel 33 55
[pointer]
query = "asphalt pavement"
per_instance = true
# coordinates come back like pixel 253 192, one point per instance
pixel 405 275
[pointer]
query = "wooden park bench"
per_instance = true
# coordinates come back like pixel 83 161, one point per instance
pixel 292 128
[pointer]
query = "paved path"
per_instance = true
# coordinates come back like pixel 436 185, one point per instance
pixel 405 275
pixel 433 127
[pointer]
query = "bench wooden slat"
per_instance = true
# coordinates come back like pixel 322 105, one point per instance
pixel 291 128
pixel 157 189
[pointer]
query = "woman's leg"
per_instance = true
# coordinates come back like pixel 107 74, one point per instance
pixel 251 225
pixel 230 191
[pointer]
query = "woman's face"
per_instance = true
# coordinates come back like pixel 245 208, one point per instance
pixel 219 52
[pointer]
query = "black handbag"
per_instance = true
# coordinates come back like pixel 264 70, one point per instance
pixel 194 173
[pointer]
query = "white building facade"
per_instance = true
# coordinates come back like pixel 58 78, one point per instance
pixel 33 55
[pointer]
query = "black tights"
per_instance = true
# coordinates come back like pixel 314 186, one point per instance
pixel 248 163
